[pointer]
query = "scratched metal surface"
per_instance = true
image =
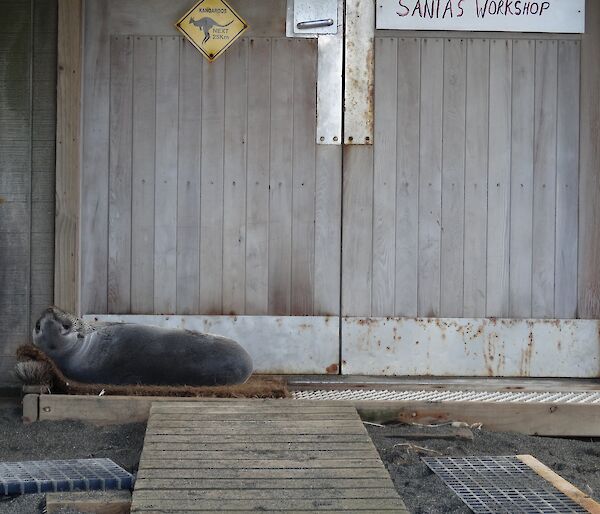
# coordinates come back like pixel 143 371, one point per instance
pixel 471 347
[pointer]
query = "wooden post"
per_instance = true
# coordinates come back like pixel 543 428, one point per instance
pixel 30 408
pixel 68 161
pixel 589 181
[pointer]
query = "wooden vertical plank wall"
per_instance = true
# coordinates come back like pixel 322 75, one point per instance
pixel 408 80
pixel 43 155
pixel 430 176
pixel 257 179
pixel 15 180
pixel 589 184
pixel 567 178
pixel 384 179
pixel 495 217
pixel 222 180
pixel 303 180
pixel 521 178
pixel 119 179
pixel 357 230
pixel 143 170
pixel 328 233
pixel 491 148
pixel 68 161
pixel 28 53
pixel 94 165
pixel 453 177
pixel 280 194
pixel 188 180
pixel 165 185
pixel 499 178
pixel 234 178
pixel 211 188
pixel 544 179
pixel 476 177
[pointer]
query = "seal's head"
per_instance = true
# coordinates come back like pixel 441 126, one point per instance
pixel 55 332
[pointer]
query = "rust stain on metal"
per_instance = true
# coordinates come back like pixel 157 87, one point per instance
pixel 332 368
pixel 359 73
pixel 367 322
pixel 489 352
pixel 489 347
pixel 526 354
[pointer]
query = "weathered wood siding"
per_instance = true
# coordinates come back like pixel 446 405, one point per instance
pixel 468 206
pixel 204 191
pixel 589 186
pixel 27 133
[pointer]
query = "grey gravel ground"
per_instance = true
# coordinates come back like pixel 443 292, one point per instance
pixel 424 493
pixel 62 440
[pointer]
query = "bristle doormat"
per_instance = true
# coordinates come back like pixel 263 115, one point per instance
pixel 50 375
pixel 62 475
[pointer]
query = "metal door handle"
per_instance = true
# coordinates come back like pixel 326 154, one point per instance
pixel 313 24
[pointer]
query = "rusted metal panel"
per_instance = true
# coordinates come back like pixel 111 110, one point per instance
pixel 286 345
pixel 330 65
pixel 359 72
pixel 471 347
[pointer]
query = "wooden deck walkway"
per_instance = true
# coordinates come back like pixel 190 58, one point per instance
pixel 260 455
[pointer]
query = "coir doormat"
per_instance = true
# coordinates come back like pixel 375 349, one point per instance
pixel 43 371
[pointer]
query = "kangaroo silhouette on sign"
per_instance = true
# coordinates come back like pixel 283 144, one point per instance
pixel 206 24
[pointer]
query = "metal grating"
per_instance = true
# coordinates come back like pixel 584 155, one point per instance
pixel 62 475
pixel 501 485
pixel 451 396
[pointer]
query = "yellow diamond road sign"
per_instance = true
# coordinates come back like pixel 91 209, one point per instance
pixel 212 26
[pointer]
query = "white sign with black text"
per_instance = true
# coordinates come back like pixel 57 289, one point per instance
pixel 560 16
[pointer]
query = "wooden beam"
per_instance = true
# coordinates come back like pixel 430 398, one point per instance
pixel 568 489
pixel 98 502
pixel 106 410
pixel 589 179
pixel 68 115
pixel 30 408
pixel 525 418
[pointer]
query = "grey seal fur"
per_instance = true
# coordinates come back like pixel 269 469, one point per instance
pixel 127 353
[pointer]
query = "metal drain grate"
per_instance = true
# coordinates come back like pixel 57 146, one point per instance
pixel 62 475
pixel 450 396
pixel 501 485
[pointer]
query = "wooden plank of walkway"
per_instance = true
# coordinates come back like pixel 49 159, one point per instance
pixel 260 455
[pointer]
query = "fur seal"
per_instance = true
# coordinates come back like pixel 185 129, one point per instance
pixel 127 354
